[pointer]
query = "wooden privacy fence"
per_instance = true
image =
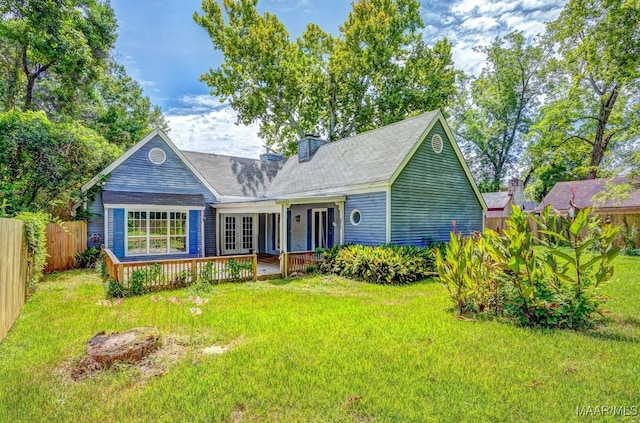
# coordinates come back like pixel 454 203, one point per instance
pixel 299 261
pixel 13 272
pixel 499 223
pixel 160 274
pixel 63 241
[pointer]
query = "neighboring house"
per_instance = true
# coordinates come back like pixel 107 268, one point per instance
pixel 590 193
pixel 403 184
pixel 499 204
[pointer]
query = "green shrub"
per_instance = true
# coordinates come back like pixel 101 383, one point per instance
pixel 35 225
pixel 142 280
pixel 234 268
pixel 388 264
pixel 115 289
pixel 550 286
pixel 635 252
pixel 88 258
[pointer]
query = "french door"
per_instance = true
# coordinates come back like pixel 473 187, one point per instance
pixel 239 233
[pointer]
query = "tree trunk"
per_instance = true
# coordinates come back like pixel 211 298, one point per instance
pixel 28 97
pixel 601 142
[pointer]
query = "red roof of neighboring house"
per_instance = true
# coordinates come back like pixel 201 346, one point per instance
pixel 560 194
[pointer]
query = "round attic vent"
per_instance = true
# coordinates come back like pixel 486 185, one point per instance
pixel 157 156
pixel 436 143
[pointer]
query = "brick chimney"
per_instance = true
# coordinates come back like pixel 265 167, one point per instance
pixel 516 191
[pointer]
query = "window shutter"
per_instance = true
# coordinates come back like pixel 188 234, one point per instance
pixel 330 228
pixel 309 231
pixel 118 232
pixel 288 230
pixel 193 231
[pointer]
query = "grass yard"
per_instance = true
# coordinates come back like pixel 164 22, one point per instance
pixel 319 349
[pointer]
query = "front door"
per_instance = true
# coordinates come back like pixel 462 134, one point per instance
pixel 239 233
pixel 320 229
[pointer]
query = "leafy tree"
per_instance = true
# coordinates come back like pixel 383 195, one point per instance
pixel 376 71
pixel 59 44
pixel 495 109
pixel 43 164
pixel 593 102
pixel 118 110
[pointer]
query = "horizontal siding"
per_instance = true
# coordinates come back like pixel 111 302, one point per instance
pixel 95 225
pixel 430 193
pixel 299 229
pixel 373 211
pixel 110 228
pixel 138 174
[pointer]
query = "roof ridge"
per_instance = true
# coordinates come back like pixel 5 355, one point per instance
pixel 220 155
pixel 403 121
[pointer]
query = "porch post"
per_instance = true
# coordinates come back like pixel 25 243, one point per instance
pixel 340 205
pixel 284 267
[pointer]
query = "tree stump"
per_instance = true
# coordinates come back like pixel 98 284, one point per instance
pixel 104 350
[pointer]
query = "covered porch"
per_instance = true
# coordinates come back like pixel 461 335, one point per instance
pixel 281 227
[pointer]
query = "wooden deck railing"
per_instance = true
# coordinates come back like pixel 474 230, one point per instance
pixel 299 261
pixel 159 274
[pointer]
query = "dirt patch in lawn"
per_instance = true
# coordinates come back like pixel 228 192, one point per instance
pixel 156 358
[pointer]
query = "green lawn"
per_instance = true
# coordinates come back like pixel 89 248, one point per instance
pixel 320 349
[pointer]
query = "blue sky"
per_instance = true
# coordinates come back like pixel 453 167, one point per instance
pixel 166 51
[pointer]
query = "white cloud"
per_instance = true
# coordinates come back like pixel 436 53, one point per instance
pixel 479 23
pixel 214 131
pixel 465 7
pixel 465 57
pixel 524 23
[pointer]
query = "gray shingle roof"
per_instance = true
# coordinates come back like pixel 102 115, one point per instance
pixel 369 157
pixel 129 197
pixel 235 176
pixel 496 200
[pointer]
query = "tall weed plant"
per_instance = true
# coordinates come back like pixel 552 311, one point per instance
pixel 548 279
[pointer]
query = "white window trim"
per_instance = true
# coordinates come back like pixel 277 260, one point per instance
pixel 164 155
pixel 222 233
pixel 440 144
pixel 167 210
pixel 354 211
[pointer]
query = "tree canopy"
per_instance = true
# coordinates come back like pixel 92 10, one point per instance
pixel 59 45
pixel 376 71
pixel 66 107
pixel 495 109
pixel 42 163
pixel 592 107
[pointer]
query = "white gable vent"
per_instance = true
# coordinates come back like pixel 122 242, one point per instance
pixel 157 156
pixel 436 143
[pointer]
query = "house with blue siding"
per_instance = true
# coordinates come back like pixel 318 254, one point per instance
pixel 405 184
